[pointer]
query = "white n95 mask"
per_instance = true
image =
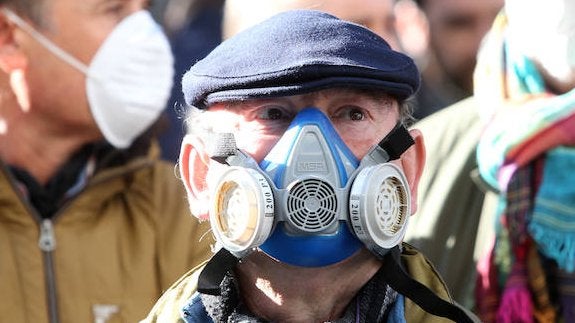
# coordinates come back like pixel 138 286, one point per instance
pixel 310 202
pixel 129 79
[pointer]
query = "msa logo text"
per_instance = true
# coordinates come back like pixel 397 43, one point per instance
pixel 311 167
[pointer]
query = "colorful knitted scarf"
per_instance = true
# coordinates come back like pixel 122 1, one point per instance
pixel 527 154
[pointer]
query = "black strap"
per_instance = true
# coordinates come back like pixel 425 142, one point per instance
pixel 397 141
pixel 222 147
pixel 223 261
pixel 214 272
pixel 401 282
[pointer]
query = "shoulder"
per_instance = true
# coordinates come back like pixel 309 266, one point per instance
pixel 453 125
pixel 168 192
pixel 451 136
pixel 169 306
pixel 465 110
pixel 164 173
pixel 421 269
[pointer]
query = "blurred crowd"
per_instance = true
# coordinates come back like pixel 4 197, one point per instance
pixel 442 36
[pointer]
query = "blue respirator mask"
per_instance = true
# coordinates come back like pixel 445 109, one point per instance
pixel 310 202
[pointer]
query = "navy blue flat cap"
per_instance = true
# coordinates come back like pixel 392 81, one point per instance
pixel 297 52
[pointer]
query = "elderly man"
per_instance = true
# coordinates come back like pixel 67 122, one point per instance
pixel 298 156
pixel 93 227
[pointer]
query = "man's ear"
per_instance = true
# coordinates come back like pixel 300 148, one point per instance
pixel 13 61
pixel 11 57
pixel 412 162
pixel 193 165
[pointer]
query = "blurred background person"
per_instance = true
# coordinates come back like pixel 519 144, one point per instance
pixel 441 35
pixel 194 28
pixel 93 226
pixel 455 30
pixel 497 192
pixel 377 15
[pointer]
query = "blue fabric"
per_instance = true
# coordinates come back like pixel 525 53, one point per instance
pixel 296 52
pixel 553 221
pixel 397 311
pixel 194 311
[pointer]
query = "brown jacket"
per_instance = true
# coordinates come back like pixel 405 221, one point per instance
pixel 106 256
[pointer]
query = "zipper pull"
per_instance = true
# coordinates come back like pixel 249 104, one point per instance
pixel 47 240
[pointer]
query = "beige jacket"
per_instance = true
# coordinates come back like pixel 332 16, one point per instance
pixel 106 256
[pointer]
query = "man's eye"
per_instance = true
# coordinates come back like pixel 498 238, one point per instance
pixel 356 115
pixel 272 113
pixel 349 113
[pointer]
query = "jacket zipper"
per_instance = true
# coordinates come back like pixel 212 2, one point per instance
pixel 47 240
pixel 47 244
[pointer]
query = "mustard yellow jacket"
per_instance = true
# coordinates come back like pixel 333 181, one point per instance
pixel 106 256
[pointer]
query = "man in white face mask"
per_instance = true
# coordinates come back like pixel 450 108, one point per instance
pixel 87 211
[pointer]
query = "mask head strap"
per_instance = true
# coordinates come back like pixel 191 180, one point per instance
pixel 400 281
pixel 397 141
pixel 47 43
pixel 223 150
pixel 223 261
pixel 214 272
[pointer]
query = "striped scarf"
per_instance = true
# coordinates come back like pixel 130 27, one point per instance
pixel 527 153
